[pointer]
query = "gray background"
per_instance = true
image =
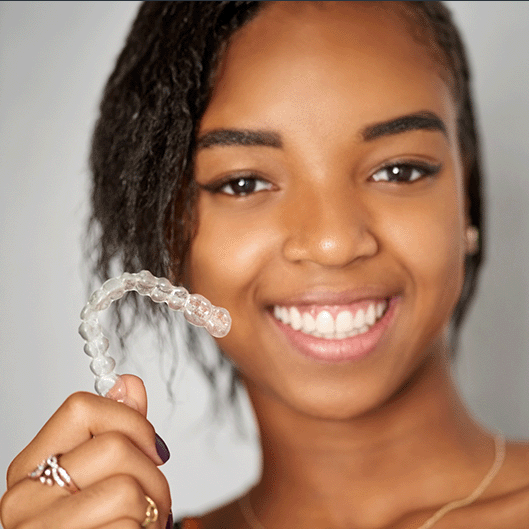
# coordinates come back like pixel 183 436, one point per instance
pixel 54 58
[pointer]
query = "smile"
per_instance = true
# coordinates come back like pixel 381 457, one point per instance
pixel 336 331
pixel 332 322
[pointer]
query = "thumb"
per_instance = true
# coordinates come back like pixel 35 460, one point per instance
pixel 129 390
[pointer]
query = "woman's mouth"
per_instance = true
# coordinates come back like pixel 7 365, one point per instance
pixel 332 322
pixel 335 333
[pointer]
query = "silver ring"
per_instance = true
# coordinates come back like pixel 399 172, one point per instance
pixel 49 472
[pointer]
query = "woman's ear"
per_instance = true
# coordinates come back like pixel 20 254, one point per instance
pixel 471 233
pixel 471 240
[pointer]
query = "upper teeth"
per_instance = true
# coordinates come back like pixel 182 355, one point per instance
pixel 324 325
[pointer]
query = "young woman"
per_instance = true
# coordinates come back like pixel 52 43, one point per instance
pixel 313 168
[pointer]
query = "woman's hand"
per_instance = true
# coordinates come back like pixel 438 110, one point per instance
pixel 110 452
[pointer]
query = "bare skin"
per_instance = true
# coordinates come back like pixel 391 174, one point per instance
pixel 376 440
pixel 109 451
pixel 383 441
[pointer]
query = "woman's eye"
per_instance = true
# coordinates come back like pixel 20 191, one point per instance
pixel 405 172
pixel 244 186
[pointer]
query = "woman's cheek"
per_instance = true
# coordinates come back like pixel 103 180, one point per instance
pixel 429 245
pixel 227 255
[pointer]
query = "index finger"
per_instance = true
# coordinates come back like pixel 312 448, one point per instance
pixel 82 416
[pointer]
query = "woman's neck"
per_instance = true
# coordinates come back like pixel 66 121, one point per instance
pixel 383 464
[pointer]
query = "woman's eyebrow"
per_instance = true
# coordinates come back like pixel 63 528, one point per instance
pixel 264 138
pixel 243 137
pixel 416 121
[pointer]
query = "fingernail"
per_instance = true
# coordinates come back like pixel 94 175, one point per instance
pixel 118 392
pixel 169 524
pixel 162 449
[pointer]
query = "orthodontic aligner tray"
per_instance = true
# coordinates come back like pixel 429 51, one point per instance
pixel 196 308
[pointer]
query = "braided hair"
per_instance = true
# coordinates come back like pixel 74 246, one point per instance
pixel 143 192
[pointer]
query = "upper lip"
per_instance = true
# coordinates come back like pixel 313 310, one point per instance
pixel 325 296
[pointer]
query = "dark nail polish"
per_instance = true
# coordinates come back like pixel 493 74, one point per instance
pixel 169 524
pixel 162 449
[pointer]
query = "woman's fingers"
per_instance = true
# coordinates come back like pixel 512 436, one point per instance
pixel 81 417
pixel 130 390
pixel 94 461
pixel 117 500
pixel 114 453
pixel 125 523
pixel 109 450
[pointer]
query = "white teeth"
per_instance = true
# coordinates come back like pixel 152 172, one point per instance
pixel 359 320
pixel 345 325
pixel 309 325
pixel 325 323
pixel 344 322
pixel 370 314
pixel 381 308
pixel 342 335
pixel 296 321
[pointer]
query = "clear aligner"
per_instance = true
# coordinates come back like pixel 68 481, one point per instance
pixel 196 308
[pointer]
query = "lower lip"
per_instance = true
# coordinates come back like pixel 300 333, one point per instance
pixel 347 349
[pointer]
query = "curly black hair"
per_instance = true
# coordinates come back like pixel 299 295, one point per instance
pixel 143 192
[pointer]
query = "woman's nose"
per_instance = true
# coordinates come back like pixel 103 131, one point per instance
pixel 329 229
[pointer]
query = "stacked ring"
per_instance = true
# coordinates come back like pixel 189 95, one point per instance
pixel 50 472
pixel 151 514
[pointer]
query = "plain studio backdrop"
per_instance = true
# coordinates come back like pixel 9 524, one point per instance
pixel 54 60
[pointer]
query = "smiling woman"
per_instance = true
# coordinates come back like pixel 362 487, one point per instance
pixel 312 167
pixel 347 199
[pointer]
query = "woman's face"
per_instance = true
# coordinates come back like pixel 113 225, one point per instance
pixel 331 206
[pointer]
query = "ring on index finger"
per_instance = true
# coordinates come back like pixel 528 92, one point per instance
pixel 50 472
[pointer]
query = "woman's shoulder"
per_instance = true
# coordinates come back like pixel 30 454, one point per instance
pixel 514 476
pixel 507 503
pixel 504 504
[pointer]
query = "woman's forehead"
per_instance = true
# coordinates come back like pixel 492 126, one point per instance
pixel 340 24
pixel 311 62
